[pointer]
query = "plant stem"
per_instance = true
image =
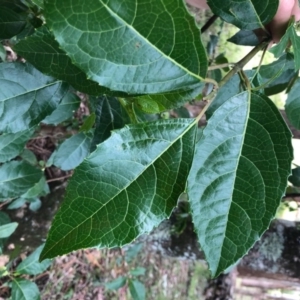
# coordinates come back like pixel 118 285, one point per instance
pixel 239 65
pixel 210 21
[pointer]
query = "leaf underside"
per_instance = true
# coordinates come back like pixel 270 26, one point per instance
pixel 125 188
pixel 238 177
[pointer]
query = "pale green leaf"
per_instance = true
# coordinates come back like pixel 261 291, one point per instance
pixel 137 47
pixel 12 144
pixel 116 284
pixel 26 96
pixel 292 106
pixel 137 290
pixel 125 188
pixel 23 289
pixel 34 204
pixel 139 271
pixel 65 109
pixel 7 229
pixel 16 177
pixel 245 14
pixel 31 264
pixel 41 188
pixel 238 177
pixel 17 203
pixel 72 151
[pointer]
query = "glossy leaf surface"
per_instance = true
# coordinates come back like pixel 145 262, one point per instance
pixel 125 188
pixel 26 96
pixel 238 177
pixel 16 177
pixel 137 47
pixel 245 14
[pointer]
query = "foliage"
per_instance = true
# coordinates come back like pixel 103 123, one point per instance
pixel 136 61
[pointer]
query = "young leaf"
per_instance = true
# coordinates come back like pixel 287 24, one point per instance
pixel 31 264
pixel 137 290
pixel 12 144
pixel 116 284
pixel 65 110
pixel 23 289
pixel 289 36
pixel 7 229
pixel 292 106
pixel 16 177
pixel 17 203
pixel 34 204
pixel 110 115
pixel 43 51
pixel 245 14
pixel 26 96
pixel 139 271
pixel 72 151
pixel 137 47
pixel 125 188
pixel 238 177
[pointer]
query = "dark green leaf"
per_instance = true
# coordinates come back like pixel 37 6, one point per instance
pixel 238 177
pixel 244 38
pixel 72 151
pixel 23 289
pixel 289 36
pixel 125 188
pixel 65 109
pixel 39 3
pixel 116 284
pixel 12 144
pixel 4 219
pixel 2 53
pixel 26 96
pixel 11 22
pixel 110 115
pixel 31 264
pixel 292 106
pixel 137 47
pixel 295 177
pixel 7 229
pixel 43 51
pixel 138 271
pixel 16 177
pixel 137 290
pixel 245 14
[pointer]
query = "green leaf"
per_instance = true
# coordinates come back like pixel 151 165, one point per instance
pixel 132 252
pixel 125 188
pixel 34 204
pixel 245 14
pixel 43 51
pixel 29 156
pixel 162 102
pixel 39 3
pixel 11 22
pixel 88 123
pixel 245 38
pixel 7 229
pixel 12 144
pixel 292 106
pixel 137 47
pixel 116 284
pixel 16 177
pixel 295 177
pixel 65 110
pixel 110 115
pixel 138 271
pixel 72 151
pixel 31 264
pixel 137 290
pixel 17 203
pixel 41 188
pixel 23 289
pixel 4 219
pixel 290 35
pixel 2 53
pixel 238 177
pixel 26 96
